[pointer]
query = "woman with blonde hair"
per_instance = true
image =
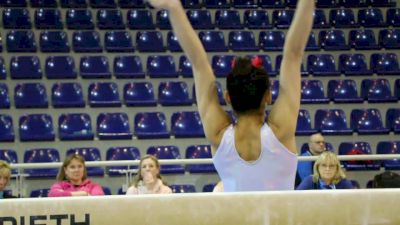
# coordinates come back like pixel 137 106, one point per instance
pixel 328 174
pixel 148 179
pixel 72 179
pixel 5 174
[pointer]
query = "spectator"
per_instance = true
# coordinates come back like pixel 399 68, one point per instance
pixel 5 174
pixel 328 174
pixel 316 148
pixel 148 179
pixel 72 179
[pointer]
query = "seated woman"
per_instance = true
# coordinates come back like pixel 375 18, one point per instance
pixel 328 174
pixel 5 174
pixel 72 179
pixel 148 179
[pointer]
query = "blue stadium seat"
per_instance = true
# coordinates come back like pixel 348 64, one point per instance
pixel 90 155
pixel 213 4
pixel 393 17
pixel 86 41
pixel 67 95
pixel 282 18
pixel 331 121
pixel 25 67
pixel 21 41
pixel 242 41
pixel 326 3
pixel 94 67
pixel 6 128
pixel 3 72
pixel 102 4
pixel 103 94
pixel 43 3
pixel 149 41
pixel 221 64
pixel 186 125
pixel 322 65
pixel 271 40
pixel 353 3
pixel 185 67
pixel 10 156
pixel 173 43
pixel 228 19
pixel 363 40
pixel 183 188
pixel 39 193
pixel 112 126
pixel 161 66
pixel 162 20
pixel 110 19
pixel 377 90
pixel 48 19
pixel 208 187
pixel 121 153
pixel 304 123
pixel 393 119
pixel 320 20
pixel 274 86
pixel 78 19
pixel 305 147
pixel 243 4
pixel 271 3
pixel 30 95
pixel 13 3
pixel 312 91
pixel 140 19
pixel 106 190
pixel 151 125
pixel 4 97
pixel 167 152
pixel 219 92
pixel 354 65
pixel 256 19
pixel 200 19
pixel 16 18
pixel 342 18
pixel 367 121
pixel 382 3
pixel 128 67
pixel 191 4
pixel 36 127
pixel 389 39
pixel 385 63
pixel 199 152
pixel 358 148
pixel 213 41
pixel 173 93
pixel 75 126
pixel 312 43
pixel 73 3
pixel 389 147
pixel 332 40
pixel 131 3
pixel 54 41
pixel 278 62
pixel 343 91
pixel 118 41
pixel 41 155
pixel 139 94
pixel 397 88
pixel 60 67
pixel 371 17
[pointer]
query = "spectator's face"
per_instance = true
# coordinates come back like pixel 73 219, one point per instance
pixel 327 170
pixel 74 171
pixel 149 167
pixel 317 144
pixel 3 181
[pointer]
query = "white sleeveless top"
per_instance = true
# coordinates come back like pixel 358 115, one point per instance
pixel 275 169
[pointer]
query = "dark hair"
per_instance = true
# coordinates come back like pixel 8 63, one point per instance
pixel 246 85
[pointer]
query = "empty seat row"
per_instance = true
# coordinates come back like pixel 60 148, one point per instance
pixel 195 3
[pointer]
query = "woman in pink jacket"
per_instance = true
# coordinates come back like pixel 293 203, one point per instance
pixel 72 179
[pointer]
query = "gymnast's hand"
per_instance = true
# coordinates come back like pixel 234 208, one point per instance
pixel 164 4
